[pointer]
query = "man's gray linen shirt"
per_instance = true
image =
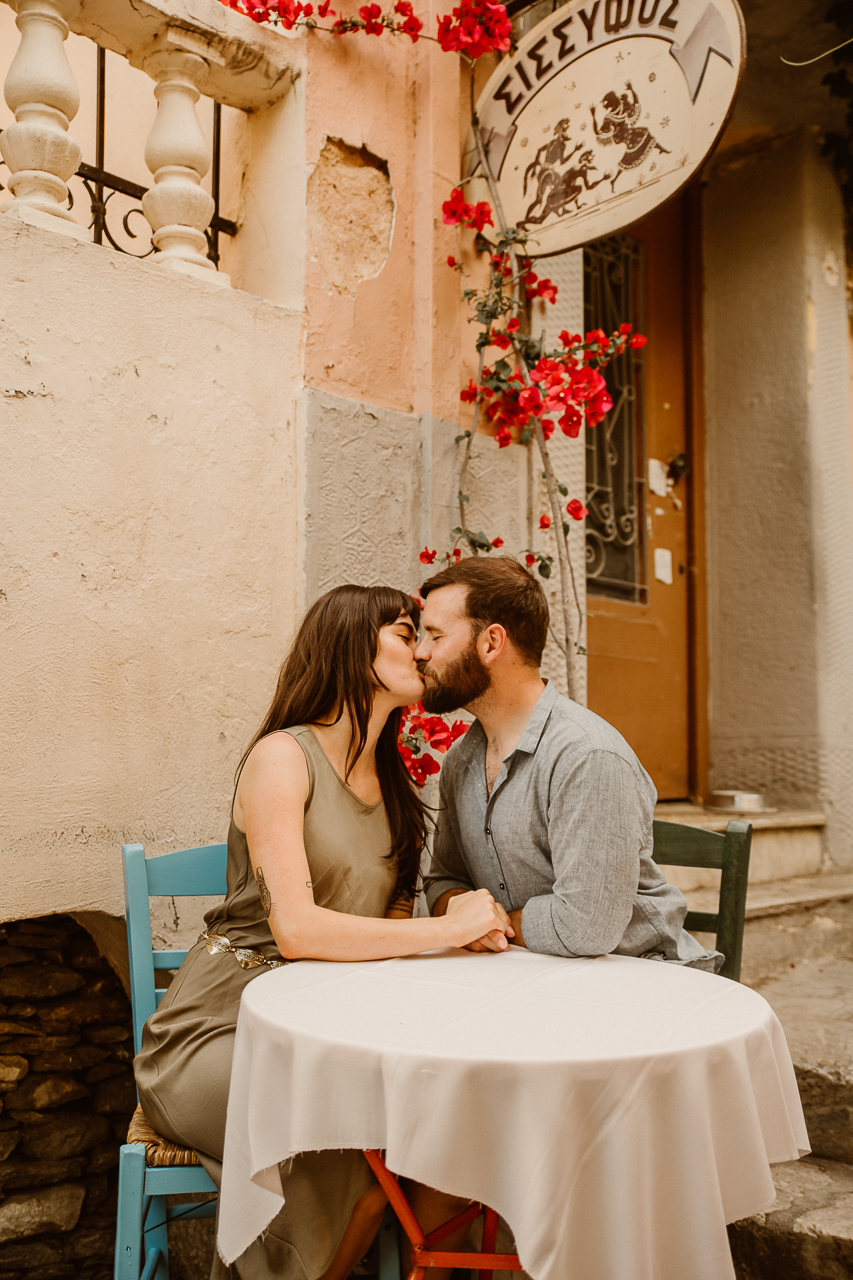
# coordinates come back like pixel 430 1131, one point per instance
pixel 566 834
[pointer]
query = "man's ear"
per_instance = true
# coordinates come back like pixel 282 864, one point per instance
pixel 492 643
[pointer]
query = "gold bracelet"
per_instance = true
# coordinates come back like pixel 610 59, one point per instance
pixel 249 957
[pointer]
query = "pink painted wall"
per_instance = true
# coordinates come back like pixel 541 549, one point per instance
pixel 397 341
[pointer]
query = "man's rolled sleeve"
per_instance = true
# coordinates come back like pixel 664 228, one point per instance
pixel 447 869
pixel 596 821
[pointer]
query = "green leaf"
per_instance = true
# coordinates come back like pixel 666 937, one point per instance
pixel 566 528
pixel 463 497
pixel 463 436
pixel 544 569
pixel 563 490
pixel 582 649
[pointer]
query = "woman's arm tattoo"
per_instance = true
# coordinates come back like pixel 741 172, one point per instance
pixel 263 892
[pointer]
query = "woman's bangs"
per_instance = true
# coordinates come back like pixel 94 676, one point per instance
pixel 387 603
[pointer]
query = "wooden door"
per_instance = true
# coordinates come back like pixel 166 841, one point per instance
pixel 638 495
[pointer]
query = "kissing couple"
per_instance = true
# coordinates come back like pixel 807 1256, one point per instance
pixel 543 840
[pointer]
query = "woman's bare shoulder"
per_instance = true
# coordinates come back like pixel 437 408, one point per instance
pixel 275 764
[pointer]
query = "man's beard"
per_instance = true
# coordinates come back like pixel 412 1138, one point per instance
pixel 463 682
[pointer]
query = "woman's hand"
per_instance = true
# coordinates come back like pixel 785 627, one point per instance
pixel 479 923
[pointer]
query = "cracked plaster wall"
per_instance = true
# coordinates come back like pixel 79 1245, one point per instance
pixel 148 583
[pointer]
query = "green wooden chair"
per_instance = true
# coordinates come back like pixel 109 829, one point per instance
pixel 680 845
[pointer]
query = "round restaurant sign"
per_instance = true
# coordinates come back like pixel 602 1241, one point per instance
pixel 606 109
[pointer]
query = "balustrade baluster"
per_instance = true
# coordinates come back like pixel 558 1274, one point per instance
pixel 41 90
pixel 177 207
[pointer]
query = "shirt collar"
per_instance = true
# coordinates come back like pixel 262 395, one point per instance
pixel 529 740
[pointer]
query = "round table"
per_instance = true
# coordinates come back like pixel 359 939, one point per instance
pixel 616 1112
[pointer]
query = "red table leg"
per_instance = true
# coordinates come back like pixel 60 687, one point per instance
pixel 423 1247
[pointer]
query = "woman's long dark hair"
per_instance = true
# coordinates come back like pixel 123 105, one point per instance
pixel 330 668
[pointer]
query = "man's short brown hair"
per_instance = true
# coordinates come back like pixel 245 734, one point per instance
pixel 500 591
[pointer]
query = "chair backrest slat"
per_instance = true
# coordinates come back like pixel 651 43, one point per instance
pixel 196 872
pixel 168 959
pixel 680 845
pixel 702 921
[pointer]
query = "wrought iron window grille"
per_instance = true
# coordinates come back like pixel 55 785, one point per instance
pixel 616 551
pixel 101 185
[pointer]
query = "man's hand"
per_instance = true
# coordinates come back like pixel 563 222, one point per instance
pixel 515 921
pixel 454 899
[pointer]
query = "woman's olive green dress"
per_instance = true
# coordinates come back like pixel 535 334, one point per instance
pixel 184 1066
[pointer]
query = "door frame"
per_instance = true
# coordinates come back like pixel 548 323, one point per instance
pixel 697 595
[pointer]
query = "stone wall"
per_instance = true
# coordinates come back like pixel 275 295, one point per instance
pixel 780 557
pixel 66 1096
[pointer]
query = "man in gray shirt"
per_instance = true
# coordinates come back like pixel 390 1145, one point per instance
pixel 542 802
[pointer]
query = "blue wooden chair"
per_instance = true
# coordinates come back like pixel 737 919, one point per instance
pixel 681 845
pixel 150 1168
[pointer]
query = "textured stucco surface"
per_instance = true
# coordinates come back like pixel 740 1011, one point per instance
pixel 148 581
pixel 362 495
pixel 780 557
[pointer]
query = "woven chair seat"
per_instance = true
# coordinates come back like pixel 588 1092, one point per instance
pixel 159 1153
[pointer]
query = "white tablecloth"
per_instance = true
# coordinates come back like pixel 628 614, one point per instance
pixel 616 1112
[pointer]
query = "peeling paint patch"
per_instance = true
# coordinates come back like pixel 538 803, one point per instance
pixel 350 214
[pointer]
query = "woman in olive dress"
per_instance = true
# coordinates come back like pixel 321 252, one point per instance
pixel 324 847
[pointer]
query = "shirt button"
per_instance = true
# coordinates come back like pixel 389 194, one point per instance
pixel 488 831
pixel 503 886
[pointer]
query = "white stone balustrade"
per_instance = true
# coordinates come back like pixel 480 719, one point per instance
pixel 42 92
pixel 189 48
pixel 177 207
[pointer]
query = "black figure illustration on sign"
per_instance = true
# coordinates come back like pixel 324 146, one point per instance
pixel 555 190
pixel 619 128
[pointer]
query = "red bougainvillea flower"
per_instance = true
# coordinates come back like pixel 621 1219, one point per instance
pixel 475 27
pixel 571 422
pixel 411 25
pixel 529 559
pixel 457 553
pixel 530 400
pixel 576 509
pixel 596 408
pixel 503 437
pixel 500 339
pixel 455 210
pixel 513 326
pixel 420 767
pixel 481 215
pixel 451 261
pixel 371 14
pixel 419 730
pixel 544 522
pixel 548 290
pixel 497 543
pixel 469 393
pixel 637 341
pixel 427 556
